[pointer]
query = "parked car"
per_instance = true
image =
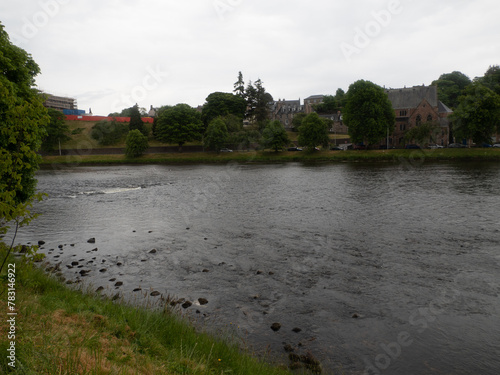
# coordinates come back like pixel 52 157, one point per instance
pixel 294 149
pixel 435 146
pixel 225 150
pixel 413 147
pixel 496 145
pixel 456 145
pixel 335 148
pixel 482 145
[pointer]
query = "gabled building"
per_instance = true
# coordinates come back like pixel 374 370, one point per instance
pixel 310 101
pixel 285 110
pixel 415 106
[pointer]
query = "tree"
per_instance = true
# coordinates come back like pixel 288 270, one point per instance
pixel 478 114
pixel 332 104
pixel 491 79
pixel 368 113
pixel 23 119
pixel 179 124
pixel 216 135
pixel 57 130
pixel 450 87
pixel 222 104
pixel 423 134
pixel 274 136
pixel 297 121
pixel 135 144
pixel 257 103
pixel 136 120
pixel 313 132
pixel 239 86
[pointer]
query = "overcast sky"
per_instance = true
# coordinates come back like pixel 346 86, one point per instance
pixel 110 54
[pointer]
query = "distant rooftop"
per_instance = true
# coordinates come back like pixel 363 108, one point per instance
pixel 413 96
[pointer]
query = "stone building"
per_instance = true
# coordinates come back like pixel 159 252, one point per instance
pixel 415 106
pixel 310 101
pixel 285 110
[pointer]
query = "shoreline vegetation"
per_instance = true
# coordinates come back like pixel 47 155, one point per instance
pixel 60 330
pixel 396 155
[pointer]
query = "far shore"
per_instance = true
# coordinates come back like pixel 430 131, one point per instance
pixel 420 155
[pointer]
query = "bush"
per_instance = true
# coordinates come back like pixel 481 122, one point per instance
pixel 108 133
pixel 136 144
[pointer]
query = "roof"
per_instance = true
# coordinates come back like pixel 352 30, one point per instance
pixel 413 96
pixel 315 97
pixel 442 108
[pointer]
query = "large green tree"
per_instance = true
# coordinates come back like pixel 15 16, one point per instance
pixel 450 87
pixel 179 124
pixel 222 104
pixel 23 119
pixel 216 135
pixel 274 136
pixel 477 116
pixel 57 131
pixel 258 100
pixel 368 113
pixel 313 132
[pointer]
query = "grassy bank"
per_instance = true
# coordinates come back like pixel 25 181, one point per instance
pixel 63 331
pixel 474 154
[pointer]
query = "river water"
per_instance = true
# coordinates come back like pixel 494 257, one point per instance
pixel 385 268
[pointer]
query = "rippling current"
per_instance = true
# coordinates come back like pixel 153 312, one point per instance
pixel 390 269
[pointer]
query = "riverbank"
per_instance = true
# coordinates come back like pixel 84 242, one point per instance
pixel 59 330
pixel 465 154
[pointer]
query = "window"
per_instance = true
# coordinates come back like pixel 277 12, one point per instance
pixel 403 113
pixel 429 118
pixel 419 120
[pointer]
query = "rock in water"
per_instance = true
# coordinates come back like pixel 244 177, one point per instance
pixel 91 240
pixel 276 327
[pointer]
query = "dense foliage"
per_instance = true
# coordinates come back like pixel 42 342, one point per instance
pixel 368 113
pixel 450 87
pixel 313 132
pixel 477 116
pixel 216 135
pixel 57 131
pixel 223 104
pixel 179 124
pixel 135 144
pixel 274 136
pixel 136 120
pixel 108 133
pixel 23 119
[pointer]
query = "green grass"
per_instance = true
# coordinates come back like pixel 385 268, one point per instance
pixel 64 331
pixel 478 154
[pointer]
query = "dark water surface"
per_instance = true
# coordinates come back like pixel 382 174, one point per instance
pixel 390 269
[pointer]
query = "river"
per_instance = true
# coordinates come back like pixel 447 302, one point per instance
pixel 373 268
